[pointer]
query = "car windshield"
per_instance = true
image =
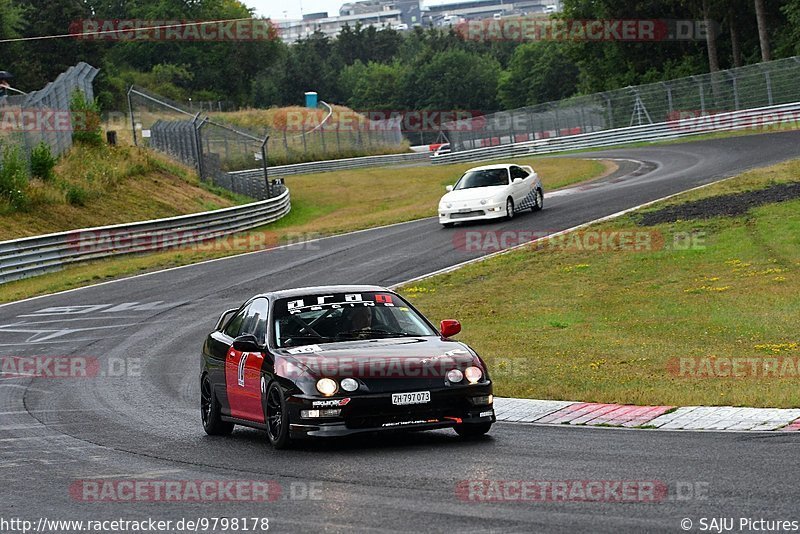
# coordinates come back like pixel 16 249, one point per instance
pixel 482 178
pixel 329 318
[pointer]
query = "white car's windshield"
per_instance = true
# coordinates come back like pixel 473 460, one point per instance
pixel 482 178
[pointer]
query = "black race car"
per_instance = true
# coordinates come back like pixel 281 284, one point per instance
pixel 338 360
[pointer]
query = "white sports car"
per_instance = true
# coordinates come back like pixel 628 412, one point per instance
pixel 491 192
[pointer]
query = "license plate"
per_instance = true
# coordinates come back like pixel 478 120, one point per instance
pixel 418 397
pixel 464 210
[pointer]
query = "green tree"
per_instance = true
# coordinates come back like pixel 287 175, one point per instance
pixel 372 86
pixel 452 80
pixel 538 72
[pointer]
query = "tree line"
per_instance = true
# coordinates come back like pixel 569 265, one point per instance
pixel 382 69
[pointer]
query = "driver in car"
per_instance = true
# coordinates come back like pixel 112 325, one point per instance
pixel 359 319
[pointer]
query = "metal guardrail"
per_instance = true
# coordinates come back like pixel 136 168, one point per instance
pixel 676 129
pixel 22 258
pixel 340 164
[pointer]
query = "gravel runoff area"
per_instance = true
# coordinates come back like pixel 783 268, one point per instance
pixel 723 205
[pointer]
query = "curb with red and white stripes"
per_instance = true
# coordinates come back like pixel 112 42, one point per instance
pixel 720 418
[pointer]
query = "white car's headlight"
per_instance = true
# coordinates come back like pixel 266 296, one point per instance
pixel 448 205
pixel 483 202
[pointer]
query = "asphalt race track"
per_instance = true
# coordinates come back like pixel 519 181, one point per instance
pixel 139 417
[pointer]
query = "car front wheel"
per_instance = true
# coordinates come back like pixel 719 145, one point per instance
pixel 276 415
pixel 210 411
pixel 472 430
pixel 509 209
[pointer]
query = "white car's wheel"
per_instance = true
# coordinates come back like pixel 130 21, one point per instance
pixel 538 201
pixel 509 208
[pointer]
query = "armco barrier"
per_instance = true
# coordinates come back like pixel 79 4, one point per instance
pixel 31 256
pixel 756 119
pixel 312 167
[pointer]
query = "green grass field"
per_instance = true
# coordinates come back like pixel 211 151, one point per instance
pixel 556 322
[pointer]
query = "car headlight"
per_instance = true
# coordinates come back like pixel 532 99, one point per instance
pixel 473 374
pixel 455 376
pixel 348 384
pixel 449 205
pixel 326 386
pixel 483 202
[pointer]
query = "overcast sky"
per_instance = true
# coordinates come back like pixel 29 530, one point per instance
pixel 280 9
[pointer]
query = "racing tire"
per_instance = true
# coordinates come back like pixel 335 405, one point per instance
pixel 474 430
pixel 509 208
pixel 276 415
pixel 538 203
pixel 211 412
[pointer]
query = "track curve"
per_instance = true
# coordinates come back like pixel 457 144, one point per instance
pixel 146 426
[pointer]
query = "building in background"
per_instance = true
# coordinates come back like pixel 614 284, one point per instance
pixel 404 15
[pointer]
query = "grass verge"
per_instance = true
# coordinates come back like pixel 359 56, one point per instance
pixel 98 186
pixel 322 204
pixel 559 322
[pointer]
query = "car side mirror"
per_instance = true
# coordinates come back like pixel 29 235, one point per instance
pixel 449 188
pixel 247 343
pixel 517 180
pixel 450 327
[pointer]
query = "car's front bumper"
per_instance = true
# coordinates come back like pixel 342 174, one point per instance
pixel 478 213
pixel 448 407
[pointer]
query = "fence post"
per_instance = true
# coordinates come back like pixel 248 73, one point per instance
pixel 610 111
pixel 735 82
pixel 699 83
pixel 198 149
pixel 668 89
pixel 133 121
pixel 200 152
pixel 266 166
pixel 768 78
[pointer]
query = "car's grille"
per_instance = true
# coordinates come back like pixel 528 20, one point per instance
pixel 395 414
pixel 465 214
